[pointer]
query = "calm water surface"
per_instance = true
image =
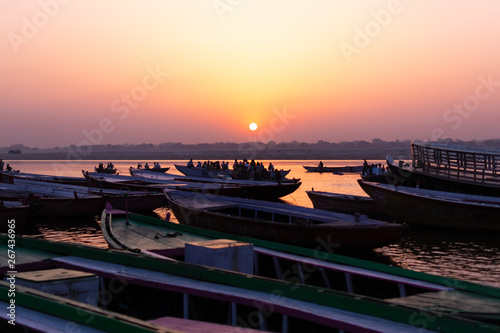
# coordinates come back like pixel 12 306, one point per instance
pixel 463 255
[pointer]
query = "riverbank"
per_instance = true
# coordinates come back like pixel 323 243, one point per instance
pixel 246 152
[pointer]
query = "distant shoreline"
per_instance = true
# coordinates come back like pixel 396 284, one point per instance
pixel 285 154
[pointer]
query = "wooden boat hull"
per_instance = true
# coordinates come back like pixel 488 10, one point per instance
pixel 160 170
pixel 355 169
pixel 152 288
pixel 412 177
pixel 18 216
pixel 315 236
pixel 348 204
pixel 137 203
pixel 67 207
pixel 430 208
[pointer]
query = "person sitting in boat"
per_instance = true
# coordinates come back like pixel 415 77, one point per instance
pixel 139 165
pixel 110 166
pixel 190 164
pixel 8 168
pixel 320 164
pixel 146 166
pixel 271 167
pixel 198 165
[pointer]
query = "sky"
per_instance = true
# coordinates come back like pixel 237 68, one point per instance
pixel 137 71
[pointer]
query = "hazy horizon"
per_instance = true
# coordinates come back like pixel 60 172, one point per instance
pixel 128 72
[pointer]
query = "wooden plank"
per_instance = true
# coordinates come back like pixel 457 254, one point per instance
pixel 194 326
pixel 351 269
pixel 452 301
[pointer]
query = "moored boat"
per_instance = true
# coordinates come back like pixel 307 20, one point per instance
pixel 149 288
pixel 50 199
pixel 348 204
pixel 280 222
pixel 263 190
pixel 450 168
pixel 302 266
pixel 417 206
pixel 14 213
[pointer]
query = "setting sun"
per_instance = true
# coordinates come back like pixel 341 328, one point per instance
pixel 253 126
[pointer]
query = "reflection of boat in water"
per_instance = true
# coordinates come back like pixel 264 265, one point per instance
pixel 348 204
pixel 357 168
pixel 417 206
pixel 450 168
pixel 280 222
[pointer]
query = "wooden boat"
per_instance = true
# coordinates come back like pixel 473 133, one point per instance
pixel 390 284
pixel 160 170
pixel 8 177
pixel 280 222
pixel 109 169
pixel 14 213
pixel 348 204
pixel 417 206
pixel 262 190
pixel 450 168
pixel 357 168
pixel 53 199
pixel 137 286
pixel 209 173
pixel 51 203
pixel 386 178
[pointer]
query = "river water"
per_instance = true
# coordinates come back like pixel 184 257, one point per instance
pixel 464 255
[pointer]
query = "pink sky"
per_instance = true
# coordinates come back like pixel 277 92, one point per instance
pixel 122 71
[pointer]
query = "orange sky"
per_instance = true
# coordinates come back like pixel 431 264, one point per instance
pixel 122 71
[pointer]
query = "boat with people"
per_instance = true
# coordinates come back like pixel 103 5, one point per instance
pixel 207 172
pixel 348 204
pixel 279 222
pixel 156 167
pixel 423 207
pixel 92 289
pixel 340 169
pixel 109 168
pixel 451 168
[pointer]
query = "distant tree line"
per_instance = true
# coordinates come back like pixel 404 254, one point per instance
pixel 233 146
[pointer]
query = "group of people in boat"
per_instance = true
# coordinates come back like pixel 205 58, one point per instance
pixel 256 170
pixel 243 169
pixel 209 165
pixel 156 166
pixel 374 169
pixel 2 164
pixel 109 166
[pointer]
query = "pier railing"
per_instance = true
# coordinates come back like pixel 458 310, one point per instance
pixel 457 162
